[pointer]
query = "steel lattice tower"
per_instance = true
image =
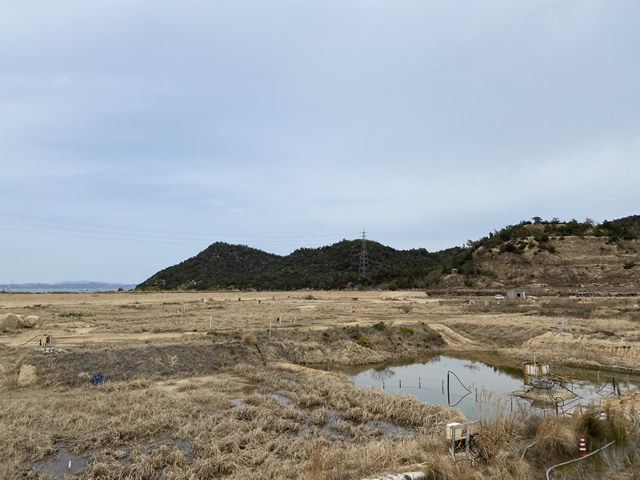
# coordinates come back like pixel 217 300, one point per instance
pixel 364 261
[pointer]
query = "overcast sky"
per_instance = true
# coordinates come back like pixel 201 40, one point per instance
pixel 135 133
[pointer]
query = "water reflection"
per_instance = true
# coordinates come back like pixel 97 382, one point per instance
pixel 480 383
pixel 382 373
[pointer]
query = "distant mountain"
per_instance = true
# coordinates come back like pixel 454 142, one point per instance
pixel 535 253
pixel 224 266
pixel 70 286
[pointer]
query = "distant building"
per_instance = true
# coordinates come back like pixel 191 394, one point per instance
pixel 516 294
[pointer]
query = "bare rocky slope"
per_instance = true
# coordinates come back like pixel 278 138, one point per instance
pixel 582 262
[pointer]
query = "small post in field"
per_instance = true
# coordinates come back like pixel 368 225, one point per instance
pixel 210 321
pixel 269 330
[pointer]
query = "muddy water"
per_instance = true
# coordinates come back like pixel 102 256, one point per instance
pixel 480 384
pixel 61 464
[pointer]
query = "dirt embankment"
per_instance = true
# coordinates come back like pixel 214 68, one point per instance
pixel 580 262
pixel 204 354
pixel 586 350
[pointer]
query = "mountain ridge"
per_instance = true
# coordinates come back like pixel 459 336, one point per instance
pixel 535 252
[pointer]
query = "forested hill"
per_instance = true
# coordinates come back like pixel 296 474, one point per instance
pixel 224 266
pixel 536 253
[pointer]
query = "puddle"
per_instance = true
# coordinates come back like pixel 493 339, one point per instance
pixel 283 400
pixel 185 447
pixel 62 463
pixel 329 427
pixel 331 430
pixel 389 429
pixel 480 389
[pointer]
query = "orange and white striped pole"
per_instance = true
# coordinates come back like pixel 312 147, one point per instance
pixel 583 447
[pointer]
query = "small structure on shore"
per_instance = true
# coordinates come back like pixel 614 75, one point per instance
pixel 520 294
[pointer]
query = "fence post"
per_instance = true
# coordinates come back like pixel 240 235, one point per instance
pixel 613 381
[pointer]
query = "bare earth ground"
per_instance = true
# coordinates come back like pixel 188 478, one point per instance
pixel 195 378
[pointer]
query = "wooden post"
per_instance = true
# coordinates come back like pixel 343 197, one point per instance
pixel 269 329
pixel 467 442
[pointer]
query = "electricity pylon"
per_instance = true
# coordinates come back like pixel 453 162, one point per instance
pixel 364 261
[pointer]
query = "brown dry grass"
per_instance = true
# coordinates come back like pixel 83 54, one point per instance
pixel 75 319
pixel 273 434
pixel 176 386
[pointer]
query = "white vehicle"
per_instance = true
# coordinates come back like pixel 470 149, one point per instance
pixel 498 296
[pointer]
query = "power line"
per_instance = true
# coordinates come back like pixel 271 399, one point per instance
pixel 34 225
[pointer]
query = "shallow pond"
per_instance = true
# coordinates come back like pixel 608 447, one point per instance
pixel 480 383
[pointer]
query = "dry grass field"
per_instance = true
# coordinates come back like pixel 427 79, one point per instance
pixel 205 385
